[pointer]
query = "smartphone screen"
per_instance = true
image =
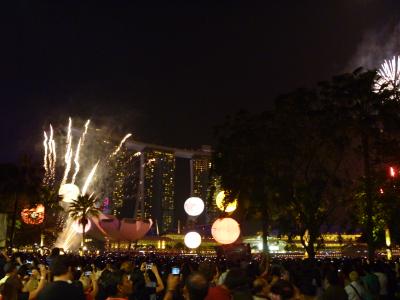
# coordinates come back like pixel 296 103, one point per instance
pixel 149 266
pixel 88 273
pixel 175 271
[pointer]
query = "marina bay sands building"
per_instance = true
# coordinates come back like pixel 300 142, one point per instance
pixel 156 197
pixel 200 167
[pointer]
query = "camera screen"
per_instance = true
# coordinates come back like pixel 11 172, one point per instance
pixel 175 271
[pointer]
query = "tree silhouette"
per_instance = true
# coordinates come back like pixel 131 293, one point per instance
pixel 82 209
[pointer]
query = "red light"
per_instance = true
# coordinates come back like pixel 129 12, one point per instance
pixel 392 172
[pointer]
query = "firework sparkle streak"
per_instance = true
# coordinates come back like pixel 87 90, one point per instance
pixel 52 154
pixel 121 143
pixel 85 131
pixel 45 165
pixel 89 178
pixel 68 153
pixel 388 76
pixel 76 160
pixel 53 168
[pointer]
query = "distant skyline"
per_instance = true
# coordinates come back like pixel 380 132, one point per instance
pixel 169 72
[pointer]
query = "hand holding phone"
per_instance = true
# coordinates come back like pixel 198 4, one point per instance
pixel 175 271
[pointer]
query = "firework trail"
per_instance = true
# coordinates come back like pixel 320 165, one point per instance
pixel 68 153
pixel 52 154
pixel 45 165
pixel 85 132
pixel 78 150
pixel 53 168
pixel 76 160
pixel 89 178
pixel 121 143
pixel 388 77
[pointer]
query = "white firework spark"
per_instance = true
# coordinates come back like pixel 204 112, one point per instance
pixel 45 161
pixel 53 168
pixel 89 178
pixel 76 160
pixel 68 153
pixel 85 131
pixel 388 77
pixel 121 143
pixel 52 154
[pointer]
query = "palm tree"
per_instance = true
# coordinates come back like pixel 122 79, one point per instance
pixel 82 209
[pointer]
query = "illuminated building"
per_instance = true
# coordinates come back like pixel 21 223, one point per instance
pixel 156 197
pixel 156 192
pixel 200 167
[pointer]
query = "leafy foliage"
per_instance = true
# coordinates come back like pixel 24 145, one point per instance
pixel 297 165
pixel 82 209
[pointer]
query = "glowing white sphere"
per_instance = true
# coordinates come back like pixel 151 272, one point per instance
pixel 78 228
pixel 192 240
pixel 69 192
pixel 229 207
pixel 225 230
pixel 194 206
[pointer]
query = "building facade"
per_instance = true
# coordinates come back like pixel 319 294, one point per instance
pixel 201 183
pixel 156 191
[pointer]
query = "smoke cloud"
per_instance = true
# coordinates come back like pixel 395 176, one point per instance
pixel 376 46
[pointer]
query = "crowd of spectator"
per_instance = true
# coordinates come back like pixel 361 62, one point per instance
pixel 139 276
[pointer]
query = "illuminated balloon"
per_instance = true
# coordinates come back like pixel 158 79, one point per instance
pixel 192 240
pixel 194 206
pixel 69 192
pixel 33 216
pixel 226 207
pixel 78 228
pixel 225 230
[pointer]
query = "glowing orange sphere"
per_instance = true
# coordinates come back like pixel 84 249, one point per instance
pixel 225 230
pixel 33 216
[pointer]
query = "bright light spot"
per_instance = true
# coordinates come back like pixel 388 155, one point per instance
pixel 387 237
pixel 273 248
pixel 192 240
pixel 77 227
pixel 228 207
pixel 194 206
pixel 392 172
pixel 388 77
pixel 225 231
pixel 69 192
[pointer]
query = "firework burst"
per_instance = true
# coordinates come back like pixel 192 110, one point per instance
pixel 69 187
pixel 388 78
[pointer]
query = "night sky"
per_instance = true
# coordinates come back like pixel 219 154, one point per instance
pixel 169 71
